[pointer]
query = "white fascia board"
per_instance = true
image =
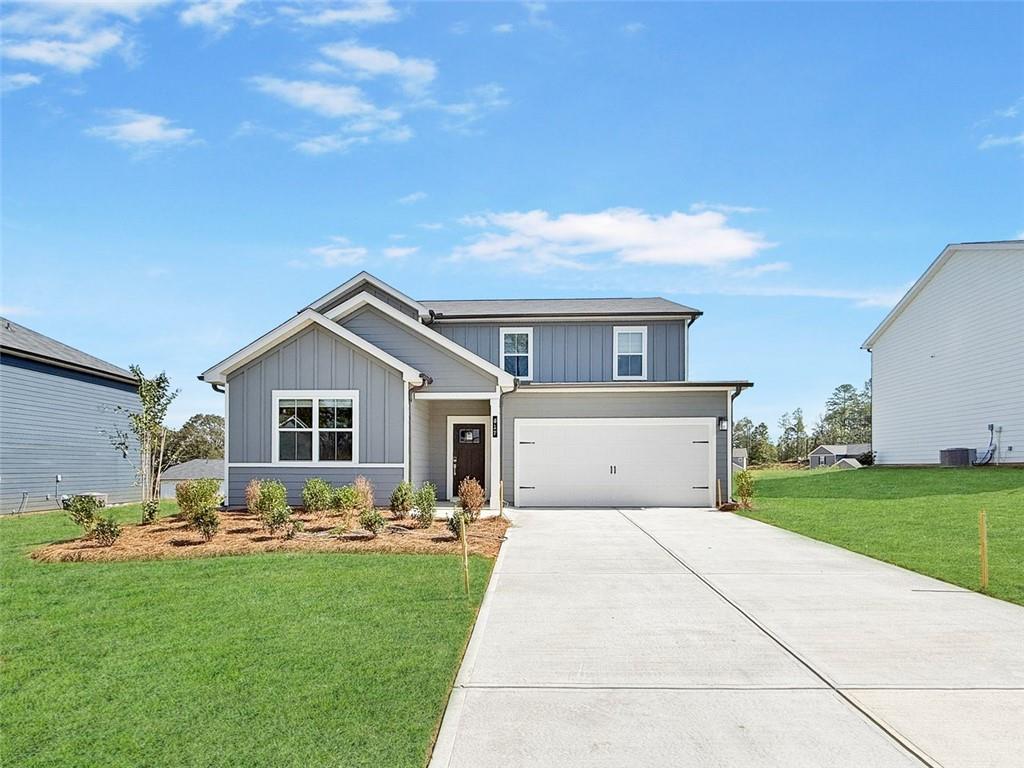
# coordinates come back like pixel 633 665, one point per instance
pixel 218 373
pixel 572 390
pixel 363 299
pixel 376 283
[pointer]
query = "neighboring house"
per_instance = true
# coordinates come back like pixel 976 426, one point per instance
pixel 59 408
pixel 196 469
pixel 739 458
pixel 827 455
pixel 948 360
pixel 564 402
pixel 848 464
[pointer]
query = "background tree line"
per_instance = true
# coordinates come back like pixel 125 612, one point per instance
pixel 847 419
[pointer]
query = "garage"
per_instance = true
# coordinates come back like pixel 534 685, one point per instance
pixel 615 462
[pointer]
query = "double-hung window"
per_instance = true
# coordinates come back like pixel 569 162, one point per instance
pixel 316 426
pixel 630 353
pixel 517 352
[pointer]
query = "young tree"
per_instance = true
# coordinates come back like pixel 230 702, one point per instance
pixel 847 417
pixel 793 438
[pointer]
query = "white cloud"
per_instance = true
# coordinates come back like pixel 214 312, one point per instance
pixel 70 56
pixel 723 208
pixel 17 310
pixel 536 240
pixel 433 226
pixel 18 81
pixel 330 144
pixel 503 29
pixel 990 141
pixel 480 101
pixel 414 74
pixel 339 253
pixel 412 197
pixel 634 28
pixel 216 15
pixel 762 269
pixel 399 253
pixel 536 14
pixel 1013 110
pixel 359 13
pixel 132 128
pixel 322 98
pixel 878 297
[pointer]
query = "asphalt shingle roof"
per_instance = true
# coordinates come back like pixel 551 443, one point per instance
pixel 17 339
pixel 194 469
pixel 557 307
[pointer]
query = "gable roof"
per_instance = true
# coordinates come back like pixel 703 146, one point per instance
pixel 739 453
pixel 23 342
pixel 195 469
pixel 366 277
pixel 947 253
pixel 476 308
pixel 851 449
pixel 218 373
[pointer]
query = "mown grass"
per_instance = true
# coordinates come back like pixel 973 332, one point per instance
pixel 924 519
pixel 273 659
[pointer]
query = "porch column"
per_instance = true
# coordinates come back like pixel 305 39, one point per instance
pixel 494 430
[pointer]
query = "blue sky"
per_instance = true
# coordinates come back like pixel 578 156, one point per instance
pixel 179 178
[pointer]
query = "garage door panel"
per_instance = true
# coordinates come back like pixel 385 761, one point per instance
pixel 614 462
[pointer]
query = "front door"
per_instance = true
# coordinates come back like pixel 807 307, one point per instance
pixel 467 454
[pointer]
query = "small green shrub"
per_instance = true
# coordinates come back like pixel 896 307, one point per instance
pixel 364 490
pixel 195 496
pixel 206 521
pixel 471 498
pixel 317 496
pixel 455 522
pixel 105 531
pixel 276 517
pixel 82 511
pixel 292 527
pixel 371 521
pixel 425 501
pixel 743 484
pixel 345 499
pixel 272 496
pixel 150 509
pixel 401 499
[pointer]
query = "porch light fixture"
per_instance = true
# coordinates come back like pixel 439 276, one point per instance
pixel 723 424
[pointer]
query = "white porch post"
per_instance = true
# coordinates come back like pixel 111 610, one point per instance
pixel 495 433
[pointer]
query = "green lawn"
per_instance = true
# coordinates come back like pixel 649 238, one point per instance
pixel 924 519
pixel 275 659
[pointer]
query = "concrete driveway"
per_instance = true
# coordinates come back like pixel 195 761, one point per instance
pixel 699 638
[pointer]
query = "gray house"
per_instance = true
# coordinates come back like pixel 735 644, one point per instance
pixel 740 457
pixel 195 469
pixel 557 403
pixel 827 455
pixel 58 408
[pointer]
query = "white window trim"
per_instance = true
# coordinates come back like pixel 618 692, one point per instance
pixel 642 329
pixel 529 348
pixel 315 395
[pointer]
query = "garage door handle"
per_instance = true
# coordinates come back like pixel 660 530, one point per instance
pixel 701 442
pixel 525 442
pixel 527 487
pixel 700 487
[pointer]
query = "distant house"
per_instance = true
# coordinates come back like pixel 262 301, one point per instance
pixel 58 409
pixel 739 458
pixel 827 455
pixel 196 469
pixel 948 360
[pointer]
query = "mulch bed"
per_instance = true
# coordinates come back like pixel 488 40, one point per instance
pixel 240 533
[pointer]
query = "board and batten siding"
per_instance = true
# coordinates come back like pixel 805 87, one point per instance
pixel 57 421
pixel 313 359
pixel 578 351
pixel 449 372
pixel 579 405
pixel 952 362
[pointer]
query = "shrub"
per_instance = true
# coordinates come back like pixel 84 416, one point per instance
pixel 401 499
pixel 455 522
pixel 743 483
pixel 252 494
pixel 292 527
pixel 276 517
pixel 82 511
pixel 345 499
pixel 272 495
pixel 150 509
pixel 317 496
pixel 364 490
pixel 471 498
pixel 206 521
pixel 105 531
pixel 867 458
pixel 425 501
pixel 195 496
pixel 371 520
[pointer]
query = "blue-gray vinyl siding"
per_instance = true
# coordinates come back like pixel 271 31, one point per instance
pixel 316 359
pixel 57 421
pixel 581 405
pixel 571 352
pixel 449 372
pixel 384 480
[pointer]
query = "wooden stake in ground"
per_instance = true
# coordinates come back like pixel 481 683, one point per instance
pixel 983 548
pixel 501 496
pixel 718 493
pixel 465 554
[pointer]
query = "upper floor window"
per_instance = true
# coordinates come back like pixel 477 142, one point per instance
pixel 630 352
pixel 517 352
pixel 316 425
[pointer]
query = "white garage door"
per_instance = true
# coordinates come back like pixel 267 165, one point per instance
pixel 614 462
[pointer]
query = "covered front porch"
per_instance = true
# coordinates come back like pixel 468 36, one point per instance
pixel 453 435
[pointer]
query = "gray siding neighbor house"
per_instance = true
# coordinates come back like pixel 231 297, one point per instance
pixel 547 403
pixel 58 408
pixel 827 455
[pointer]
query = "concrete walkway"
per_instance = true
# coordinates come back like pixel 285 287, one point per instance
pixel 699 638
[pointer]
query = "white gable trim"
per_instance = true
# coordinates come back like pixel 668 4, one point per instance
pixel 363 299
pixel 348 285
pixel 218 373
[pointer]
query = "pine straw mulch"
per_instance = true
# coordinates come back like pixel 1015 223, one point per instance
pixel 241 534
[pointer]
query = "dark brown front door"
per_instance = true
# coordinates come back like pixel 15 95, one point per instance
pixel 467 454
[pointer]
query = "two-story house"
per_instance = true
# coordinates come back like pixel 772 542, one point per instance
pixel 562 402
